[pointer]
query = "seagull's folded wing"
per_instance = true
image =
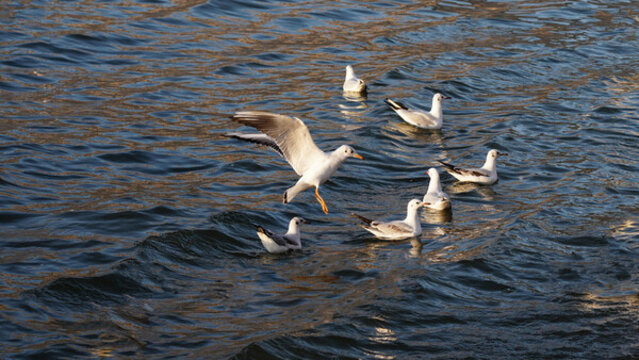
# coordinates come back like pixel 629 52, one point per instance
pixel 278 239
pixel 474 172
pixel 394 227
pixel 464 172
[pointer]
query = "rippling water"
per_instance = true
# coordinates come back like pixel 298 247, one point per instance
pixel 127 216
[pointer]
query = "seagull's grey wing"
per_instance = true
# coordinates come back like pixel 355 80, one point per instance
pixel 394 227
pixel 261 139
pixel 278 239
pixel 289 240
pixel 464 172
pixel 290 135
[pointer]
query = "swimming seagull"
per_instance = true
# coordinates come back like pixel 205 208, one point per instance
pixel 485 175
pixel 353 84
pixel 437 199
pixel 279 243
pixel 290 137
pixel 425 120
pixel 398 229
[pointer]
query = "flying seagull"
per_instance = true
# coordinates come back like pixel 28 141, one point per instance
pixel 290 137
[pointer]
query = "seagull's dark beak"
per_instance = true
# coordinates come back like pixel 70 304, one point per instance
pixel 502 153
pixel 447 97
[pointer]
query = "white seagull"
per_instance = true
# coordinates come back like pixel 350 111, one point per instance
pixel 398 229
pixel 353 84
pixel 437 199
pixel 290 137
pixel 485 175
pixel 425 120
pixel 279 243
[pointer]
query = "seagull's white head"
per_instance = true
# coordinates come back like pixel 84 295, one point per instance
pixel 492 154
pixel 294 225
pixel 416 204
pixel 433 174
pixel 439 97
pixel 349 71
pixel 299 220
pixel 346 151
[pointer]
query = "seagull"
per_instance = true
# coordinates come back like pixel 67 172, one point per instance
pixel 398 229
pixel 353 84
pixel 279 243
pixel 485 175
pixel 290 138
pixel 437 199
pixel 430 120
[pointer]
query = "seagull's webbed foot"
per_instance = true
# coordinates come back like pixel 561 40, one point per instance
pixel 321 201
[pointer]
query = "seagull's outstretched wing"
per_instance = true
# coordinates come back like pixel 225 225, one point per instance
pixel 289 133
pixel 261 139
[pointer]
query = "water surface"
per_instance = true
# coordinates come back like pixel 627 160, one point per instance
pixel 127 215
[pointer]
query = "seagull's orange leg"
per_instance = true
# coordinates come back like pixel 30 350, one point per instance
pixel 321 201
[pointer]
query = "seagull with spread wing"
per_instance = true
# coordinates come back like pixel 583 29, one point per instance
pixel 290 137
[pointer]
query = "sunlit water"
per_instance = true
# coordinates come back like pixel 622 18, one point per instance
pixel 127 218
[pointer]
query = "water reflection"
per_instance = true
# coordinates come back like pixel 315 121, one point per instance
pixel 433 137
pixel 436 217
pixel 355 97
pixel 416 248
pixel 486 192
pixel 355 108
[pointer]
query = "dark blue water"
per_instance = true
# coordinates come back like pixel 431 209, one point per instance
pixel 126 216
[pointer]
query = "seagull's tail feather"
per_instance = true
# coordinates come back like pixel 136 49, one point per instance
pixel 367 221
pixel 395 105
pixel 264 231
pixel 447 165
pixel 291 192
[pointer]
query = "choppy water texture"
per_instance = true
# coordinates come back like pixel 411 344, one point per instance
pixel 126 216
